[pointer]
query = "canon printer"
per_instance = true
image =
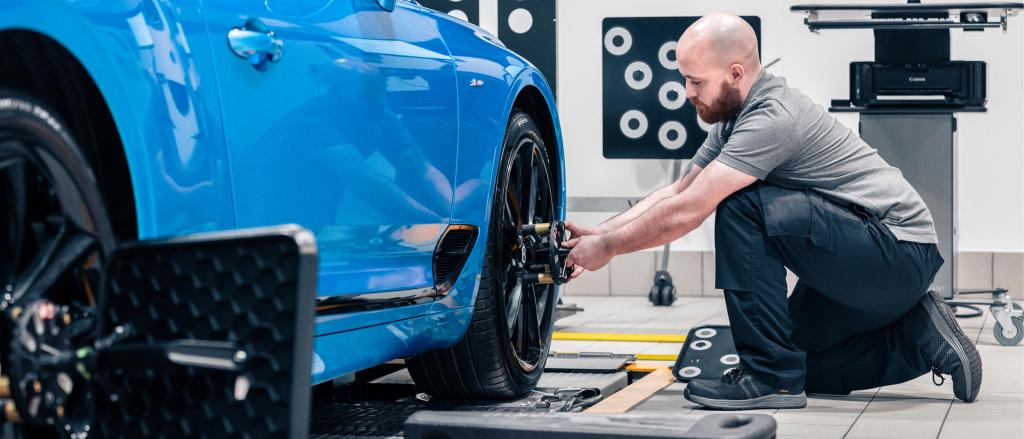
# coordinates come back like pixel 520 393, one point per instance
pixel 949 83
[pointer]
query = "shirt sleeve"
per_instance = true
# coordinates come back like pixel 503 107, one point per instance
pixel 711 147
pixel 762 140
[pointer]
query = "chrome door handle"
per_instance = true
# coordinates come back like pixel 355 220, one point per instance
pixel 256 44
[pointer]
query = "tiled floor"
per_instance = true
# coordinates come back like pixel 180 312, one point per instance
pixel 910 410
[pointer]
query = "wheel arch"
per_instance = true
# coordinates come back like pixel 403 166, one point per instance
pixel 36 64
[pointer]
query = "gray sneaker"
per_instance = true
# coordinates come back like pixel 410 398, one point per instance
pixel 950 352
pixel 738 390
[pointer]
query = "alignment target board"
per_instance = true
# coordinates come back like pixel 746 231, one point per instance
pixel 645 111
pixel 528 28
pixel 707 353
pixel 468 10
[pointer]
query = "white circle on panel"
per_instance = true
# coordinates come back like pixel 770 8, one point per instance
pixel 638 75
pixel 672 95
pixel 618 48
pixel 700 345
pixel 457 13
pixel 641 124
pixel 705 332
pixel 730 359
pixel 689 372
pixel 704 125
pixel 666 62
pixel 666 137
pixel 520 21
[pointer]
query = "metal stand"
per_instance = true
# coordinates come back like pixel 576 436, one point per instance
pixel 663 292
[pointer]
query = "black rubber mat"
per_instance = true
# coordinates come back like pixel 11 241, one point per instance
pixel 707 353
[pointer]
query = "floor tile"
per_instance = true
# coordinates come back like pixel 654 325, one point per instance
pixel 664 349
pixel 619 347
pixel 810 431
pixel 972 431
pixel 825 411
pixel 904 418
pixel 893 430
pixel 922 387
pixel 570 346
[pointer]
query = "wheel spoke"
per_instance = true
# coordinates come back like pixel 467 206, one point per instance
pixel 530 303
pixel 68 248
pixel 520 332
pixel 514 210
pixel 513 304
pixel 12 217
pixel 531 203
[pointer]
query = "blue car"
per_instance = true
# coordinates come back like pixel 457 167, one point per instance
pixel 414 145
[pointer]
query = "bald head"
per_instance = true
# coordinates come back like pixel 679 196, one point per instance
pixel 721 39
pixel 718 57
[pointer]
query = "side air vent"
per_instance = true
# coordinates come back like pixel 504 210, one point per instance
pixel 451 253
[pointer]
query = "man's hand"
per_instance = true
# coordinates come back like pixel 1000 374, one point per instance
pixel 589 252
pixel 579 230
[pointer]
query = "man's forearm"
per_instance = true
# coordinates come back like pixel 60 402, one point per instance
pixel 637 209
pixel 662 223
pixel 650 200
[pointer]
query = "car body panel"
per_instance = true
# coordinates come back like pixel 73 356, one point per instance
pixel 207 139
pixel 352 134
pixel 152 67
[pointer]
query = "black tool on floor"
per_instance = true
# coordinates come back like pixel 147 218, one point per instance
pixel 707 353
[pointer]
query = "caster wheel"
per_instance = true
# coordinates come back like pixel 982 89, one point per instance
pixel 667 295
pixel 1018 323
pixel 663 293
pixel 654 296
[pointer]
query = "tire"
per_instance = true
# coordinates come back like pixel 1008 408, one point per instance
pixel 488 362
pixel 51 198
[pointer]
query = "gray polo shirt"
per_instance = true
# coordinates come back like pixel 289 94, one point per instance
pixel 782 137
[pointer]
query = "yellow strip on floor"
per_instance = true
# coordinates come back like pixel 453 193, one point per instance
pixel 600 336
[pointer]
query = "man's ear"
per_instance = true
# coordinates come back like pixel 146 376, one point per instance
pixel 736 72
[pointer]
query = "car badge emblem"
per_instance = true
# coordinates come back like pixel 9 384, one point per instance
pixel 476 83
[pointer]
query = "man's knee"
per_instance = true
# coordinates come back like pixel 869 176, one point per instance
pixel 742 202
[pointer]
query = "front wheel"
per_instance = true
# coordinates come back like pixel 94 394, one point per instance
pixel 503 352
pixel 54 237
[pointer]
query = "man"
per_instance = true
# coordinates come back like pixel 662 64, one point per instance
pixel 794 188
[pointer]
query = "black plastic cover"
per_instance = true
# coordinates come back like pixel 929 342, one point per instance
pixel 252 288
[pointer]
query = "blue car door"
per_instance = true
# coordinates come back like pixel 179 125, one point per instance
pixel 341 116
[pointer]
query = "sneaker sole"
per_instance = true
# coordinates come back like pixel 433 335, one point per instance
pixel 943 319
pixel 765 402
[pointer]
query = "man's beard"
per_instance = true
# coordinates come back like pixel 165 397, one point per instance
pixel 726 106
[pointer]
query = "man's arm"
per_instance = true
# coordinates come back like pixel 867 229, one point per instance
pixel 680 214
pixel 664 222
pixel 650 200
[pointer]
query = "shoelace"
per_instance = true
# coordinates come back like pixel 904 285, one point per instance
pixel 733 376
pixel 937 374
